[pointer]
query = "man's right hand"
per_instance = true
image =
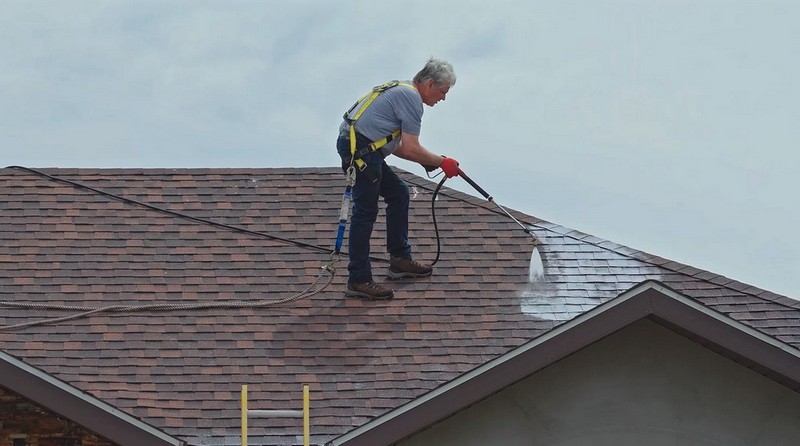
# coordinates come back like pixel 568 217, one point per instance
pixel 450 167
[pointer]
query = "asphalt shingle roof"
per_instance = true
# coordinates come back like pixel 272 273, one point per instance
pixel 181 371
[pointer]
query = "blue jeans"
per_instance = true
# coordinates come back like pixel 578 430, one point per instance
pixel 365 211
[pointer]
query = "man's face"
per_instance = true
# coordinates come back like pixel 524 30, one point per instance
pixel 432 93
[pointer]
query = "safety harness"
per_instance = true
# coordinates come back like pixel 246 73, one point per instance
pixel 356 155
pixel 366 101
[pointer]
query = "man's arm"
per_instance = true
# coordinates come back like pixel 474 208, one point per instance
pixel 409 148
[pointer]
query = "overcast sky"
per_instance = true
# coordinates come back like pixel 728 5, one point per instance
pixel 668 126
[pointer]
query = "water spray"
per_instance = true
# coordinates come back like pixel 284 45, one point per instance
pixel 536 268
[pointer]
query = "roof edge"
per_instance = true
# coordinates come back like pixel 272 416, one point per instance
pixel 78 406
pixel 648 299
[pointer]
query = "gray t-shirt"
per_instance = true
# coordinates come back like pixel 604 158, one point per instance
pixel 399 107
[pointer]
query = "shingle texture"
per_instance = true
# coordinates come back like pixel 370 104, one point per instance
pixel 181 371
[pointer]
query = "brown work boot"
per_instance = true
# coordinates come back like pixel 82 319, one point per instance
pixel 370 290
pixel 400 267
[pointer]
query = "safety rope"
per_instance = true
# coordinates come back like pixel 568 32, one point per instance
pixel 347 201
pixel 84 312
pixel 182 215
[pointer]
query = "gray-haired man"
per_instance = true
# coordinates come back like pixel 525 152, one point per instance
pixel 383 123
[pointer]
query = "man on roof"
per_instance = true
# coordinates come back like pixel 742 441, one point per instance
pixel 387 121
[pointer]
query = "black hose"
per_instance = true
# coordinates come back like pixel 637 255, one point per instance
pixel 177 214
pixel 433 217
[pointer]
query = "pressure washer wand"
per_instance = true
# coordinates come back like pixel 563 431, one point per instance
pixel 489 198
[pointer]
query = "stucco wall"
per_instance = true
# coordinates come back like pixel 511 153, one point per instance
pixel 644 385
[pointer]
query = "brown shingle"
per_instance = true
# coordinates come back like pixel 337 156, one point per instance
pixel 181 371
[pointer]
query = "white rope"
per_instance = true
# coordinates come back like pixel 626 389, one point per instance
pixel 84 312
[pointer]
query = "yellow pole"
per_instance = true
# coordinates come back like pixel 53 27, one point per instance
pixel 306 423
pixel 244 414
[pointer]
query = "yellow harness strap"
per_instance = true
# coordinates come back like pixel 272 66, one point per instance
pixel 367 101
